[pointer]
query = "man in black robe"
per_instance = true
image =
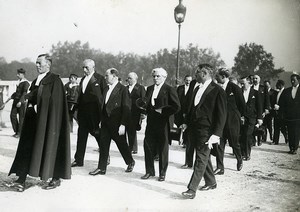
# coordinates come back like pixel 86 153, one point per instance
pixel 44 146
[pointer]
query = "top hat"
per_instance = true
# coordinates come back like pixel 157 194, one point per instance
pixel 141 103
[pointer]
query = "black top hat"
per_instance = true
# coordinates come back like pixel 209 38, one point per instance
pixel 21 70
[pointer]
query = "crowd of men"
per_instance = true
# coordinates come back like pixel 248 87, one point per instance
pixel 209 110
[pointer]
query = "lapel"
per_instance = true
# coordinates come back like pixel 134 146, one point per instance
pixel 90 83
pixel 134 90
pixel 150 90
pixel 228 89
pixel 297 93
pixel 113 93
pixel 161 92
pixel 207 90
pixel 251 94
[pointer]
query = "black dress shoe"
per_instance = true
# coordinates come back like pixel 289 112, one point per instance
pixel 16 135
pixel 189 194
pixel 52 184
pixel 161 178
pixel 208 187
pixel 130 167
pixel 97 171
pixel 76 164
pixel 185 166
pixel 294 152
pixel 219 172
pixel 20 187
pixel 239 165
pixel 246 158
pixel 147 176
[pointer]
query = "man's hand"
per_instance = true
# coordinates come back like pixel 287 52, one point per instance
pixel 143 116
pixel 276 107
pixel 121 130
pixel 214 139
pixel 260 122
pixel 183 127
pixel 18 104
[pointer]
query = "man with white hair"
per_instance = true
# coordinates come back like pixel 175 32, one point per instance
pixel 89 106
pixel 162 102
pixel 136 91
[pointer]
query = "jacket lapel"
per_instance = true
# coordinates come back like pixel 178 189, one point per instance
pixel 207 90
pixel 251 94
pixel 162 91
pixel 90 83
pixel 113 93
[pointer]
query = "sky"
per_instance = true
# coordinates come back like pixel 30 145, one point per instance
pixel 31 27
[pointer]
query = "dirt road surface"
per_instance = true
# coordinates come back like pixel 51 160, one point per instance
pixel 270 181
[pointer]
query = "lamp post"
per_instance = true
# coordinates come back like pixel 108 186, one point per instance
pixel 179 15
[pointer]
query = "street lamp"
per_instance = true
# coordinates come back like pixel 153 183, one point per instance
pixel 179 15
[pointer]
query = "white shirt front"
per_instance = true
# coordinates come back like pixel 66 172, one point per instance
pixel 201 90
pixel 186 88
pixel 111 88
pixel 130 87
pixel 224 85
pixel 40 77
pixel 256 87
pixel 86 81
pixel 155 93
pixel 246 94
pixel 278 95
pixel 294 91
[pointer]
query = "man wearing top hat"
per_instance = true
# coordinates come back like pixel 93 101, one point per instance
pixel 18 106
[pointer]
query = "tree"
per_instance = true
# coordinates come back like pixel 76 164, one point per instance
pixel 253 59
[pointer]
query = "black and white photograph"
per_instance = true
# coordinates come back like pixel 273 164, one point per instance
pixel 162 105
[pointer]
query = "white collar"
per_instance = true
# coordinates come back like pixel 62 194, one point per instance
pixel 40 77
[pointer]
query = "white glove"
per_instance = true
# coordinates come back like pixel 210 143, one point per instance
pixel 214 139
pixel 121 130
pixel 276 107
pixel 18 104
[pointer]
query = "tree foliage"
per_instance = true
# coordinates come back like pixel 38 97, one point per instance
pixel 68 58
pixel 253 59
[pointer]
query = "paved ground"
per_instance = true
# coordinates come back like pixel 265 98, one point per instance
pixel 270 181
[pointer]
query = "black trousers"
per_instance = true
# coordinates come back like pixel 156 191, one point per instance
pixel 232 134
pixel 203 166
pixel 82 136
pixel 246 138
pixel 156 142
pixel 17 122
pixel 280 126
pixel 132 139
pixel 109 133
pixel 294 134
pixel 267 122
pixel 189 149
